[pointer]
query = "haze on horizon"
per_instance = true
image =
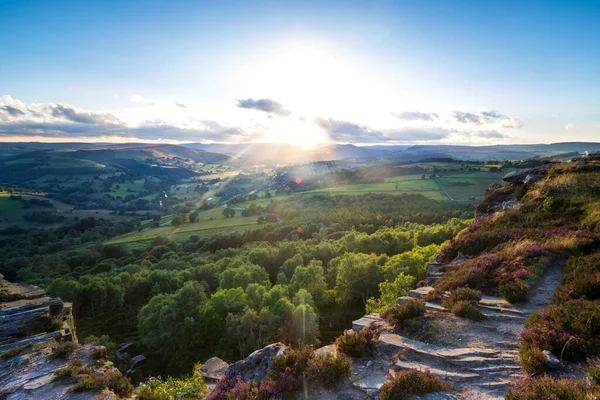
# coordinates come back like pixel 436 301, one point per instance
pixel 305 73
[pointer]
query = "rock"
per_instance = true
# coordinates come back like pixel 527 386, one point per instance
pixel 509 204
pixel 137 360
pixel 532 178
pixel 130 365
pixel 123 356
pixel 521 175
pixel 256 366
pixel 551 361
pixel 214 368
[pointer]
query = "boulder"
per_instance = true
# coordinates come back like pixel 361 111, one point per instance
pixel 214 369
pixel 551 361
pixel 523 174
pixel 255 367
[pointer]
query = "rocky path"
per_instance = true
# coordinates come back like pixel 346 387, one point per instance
pixel 480 359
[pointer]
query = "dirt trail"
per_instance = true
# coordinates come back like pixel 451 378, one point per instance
pixel 480 359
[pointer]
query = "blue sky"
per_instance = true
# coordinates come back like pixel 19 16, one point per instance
pixel 364 72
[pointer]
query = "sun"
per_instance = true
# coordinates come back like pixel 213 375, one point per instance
pixel 298 132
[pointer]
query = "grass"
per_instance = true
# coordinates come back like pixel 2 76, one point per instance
pixel 426 187
pixel 135 186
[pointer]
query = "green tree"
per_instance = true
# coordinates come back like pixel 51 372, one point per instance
pixel 358 277
pixel 390 291
pixel 193 217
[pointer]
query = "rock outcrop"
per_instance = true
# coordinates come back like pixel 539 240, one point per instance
pixel 37 340
pixel 527 175
pixel 130 364
pixel 255 367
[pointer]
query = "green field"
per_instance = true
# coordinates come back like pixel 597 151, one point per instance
pixel 204 227
pixel 427 188
pixel 124 189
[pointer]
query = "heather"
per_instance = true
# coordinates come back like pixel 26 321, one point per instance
pixel 398 313
pixel 407 384
pixel 291 371
pixel 546 387
pixel 356 343
pixel 554 222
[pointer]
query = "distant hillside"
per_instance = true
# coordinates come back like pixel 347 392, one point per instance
pixel 22 163
pixel 286 153
pixel 496 152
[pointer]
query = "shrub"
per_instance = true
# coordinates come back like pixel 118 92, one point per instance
pixel 92 383
pixel 120 385
pixel 569 330
pixel 465 309
pixel 13 352
pixel 545 387
pixel 398 313
pixel 462 294
pixel 328 369
pixel 464 276
pixel 103 340
pixel 356 344
pixel 113 381
pixel 594 371
pixel 515 291
pixel 434 295
pixel 289 373
pixel 55 324
pixel 99 353
pixel 192 387
pixel 64 349
pixel 532 359
pixel 407 384
pixel 68 372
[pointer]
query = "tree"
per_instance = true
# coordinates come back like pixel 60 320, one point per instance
pixel 358 277
pixel 228 212
pixel 390 291
pixel 193 217
pixel 168 324
pixel 178 220
pixel 311 278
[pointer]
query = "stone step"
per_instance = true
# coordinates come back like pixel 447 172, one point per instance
pixel 421 292
pixel 478 362
pixel 450 374
pixel 367 320
pixel 503 310
pixel 503 317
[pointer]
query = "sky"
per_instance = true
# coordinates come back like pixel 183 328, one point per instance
pixel 307 73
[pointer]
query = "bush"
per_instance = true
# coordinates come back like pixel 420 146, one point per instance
pixel 464 276
pixel 569 330
pixel 356 344
pixel 120 385
pixel 68 372
pixel 113 381
pixel 99 353
pixel 407 384
pixel 465 309
pixel 64 349
pixel 103 340
pixel 462 294
pixel 398 313
pixel 532 359
pixel 13 352
pixel 594 371
pixel 546 387
pixel 328 369
pixel 184 388
pixel 514 292
pixel 289 373
pixel 435 295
